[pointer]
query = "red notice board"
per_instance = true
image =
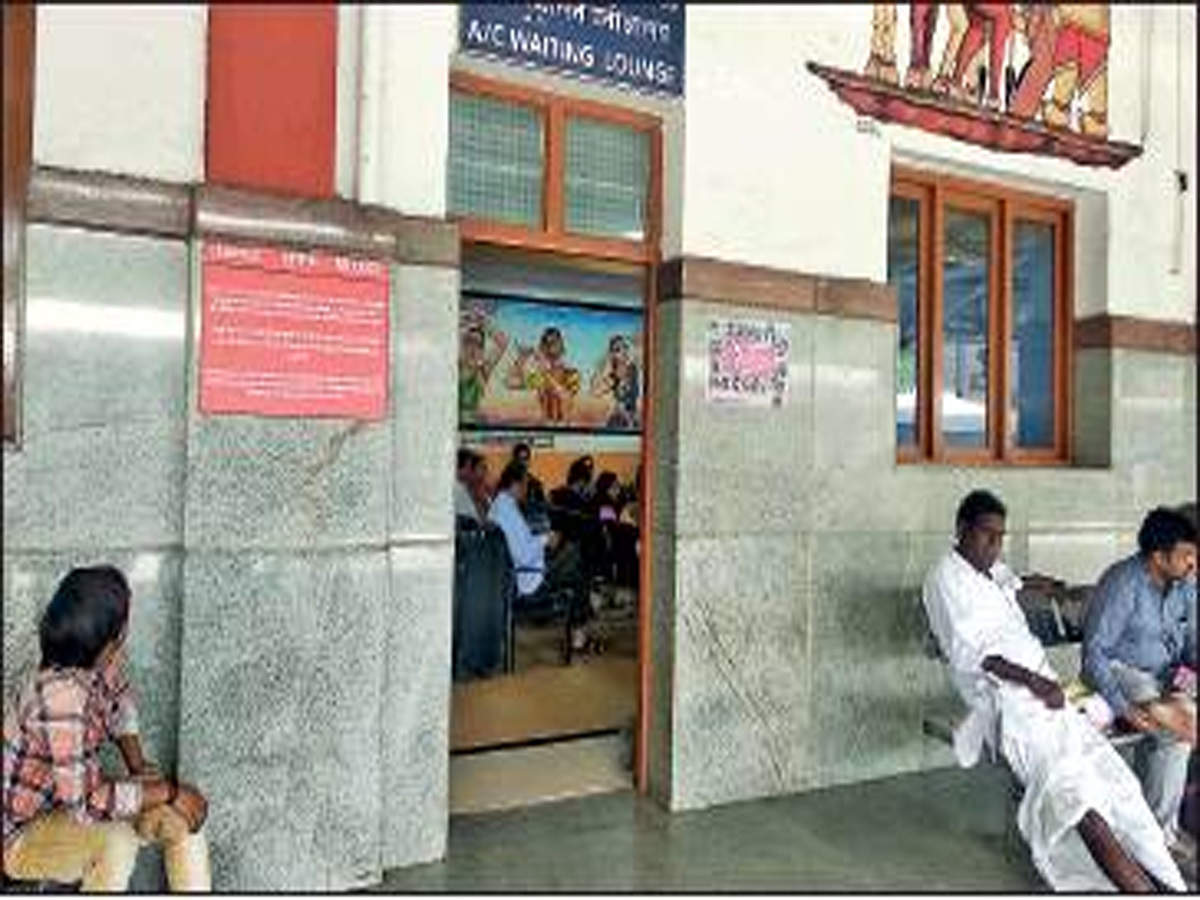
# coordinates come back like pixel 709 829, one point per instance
pixel 293 333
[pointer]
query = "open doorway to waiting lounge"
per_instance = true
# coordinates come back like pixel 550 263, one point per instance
pixel 546 668
pixel 559 207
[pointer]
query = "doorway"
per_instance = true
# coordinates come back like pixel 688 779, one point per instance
pixel 536 714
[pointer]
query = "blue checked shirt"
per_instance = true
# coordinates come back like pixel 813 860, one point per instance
pixel 1130 620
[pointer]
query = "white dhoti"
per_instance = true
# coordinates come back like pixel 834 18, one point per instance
pixel 1065 764
pixel 1069 768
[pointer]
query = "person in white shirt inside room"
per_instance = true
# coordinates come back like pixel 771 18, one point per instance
pixel 544 563
pixel 1082 811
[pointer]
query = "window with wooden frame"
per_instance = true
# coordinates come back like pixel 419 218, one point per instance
pixel 545 172
pixel 983 282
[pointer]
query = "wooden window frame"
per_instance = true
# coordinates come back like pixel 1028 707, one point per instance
pixel 553 235
pixel 1004 207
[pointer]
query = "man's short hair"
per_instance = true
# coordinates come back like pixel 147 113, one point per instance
pixel 1189 512
pixel 1162 529
pixel 467 458
pixel 89 609
pixel 513 472
pixel 519 447
pixel 975 504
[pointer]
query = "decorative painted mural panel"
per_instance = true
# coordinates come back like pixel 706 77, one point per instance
pixel 1021 77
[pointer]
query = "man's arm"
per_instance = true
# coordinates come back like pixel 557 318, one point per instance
pixel 1108 613
pixel 1045 689
pixel 1189 628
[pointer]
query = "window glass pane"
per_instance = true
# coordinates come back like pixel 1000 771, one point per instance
pixel 607 174
pixel 1031 400
pixel 496 160
pixel 904 216
pixel 965 329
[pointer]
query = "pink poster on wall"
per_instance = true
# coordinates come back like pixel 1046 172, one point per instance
pixel 293 333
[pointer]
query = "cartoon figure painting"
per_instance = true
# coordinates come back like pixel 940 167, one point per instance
pixel 543 352
pixel 617 377
pixel 544 369
pixel 1011 76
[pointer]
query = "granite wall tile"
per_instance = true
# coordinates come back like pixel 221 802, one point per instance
pixel 286 483
pixel 280 713
pixel 104 329
pixel 661 719
pixel 1092 407
pixel 101 458
pixel 424 418
pixel 867 657
pixel 415 705
pixel 854 415
pixel 740 669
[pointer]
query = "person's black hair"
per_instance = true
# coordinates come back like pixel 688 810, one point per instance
pixel 513 472
pixel 467 457
pixel 1189 512
pixel 603 483
pixel 1162 529
pixel 87 611
pixel 518 447
pixel 976 504
pixel 578 470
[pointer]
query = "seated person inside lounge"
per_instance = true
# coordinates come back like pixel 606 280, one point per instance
pixel 470 478
pixel 1138 634
pixel 573 514
pixel 1082 812
pixel 535 508
pixel 65 819
pixel 619 561
pixel 544 563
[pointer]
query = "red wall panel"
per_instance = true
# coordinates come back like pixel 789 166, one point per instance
pixel 272 105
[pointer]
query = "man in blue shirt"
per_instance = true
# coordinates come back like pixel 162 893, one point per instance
pixel 1140 627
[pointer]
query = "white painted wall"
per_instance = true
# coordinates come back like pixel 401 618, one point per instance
pixel 121 89
pixel 404 106
pixel 779 172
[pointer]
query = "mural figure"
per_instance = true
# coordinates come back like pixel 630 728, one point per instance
pixel 617 376
pixel 976 94
pixel 544 370
pixel 475 364
pixel 881 64
pixel 1080 67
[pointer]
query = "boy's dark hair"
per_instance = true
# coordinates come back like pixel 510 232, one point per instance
pixel 513 472
pixel 87 611
pixel 520 447
pixel 975 504
pixel 1162 529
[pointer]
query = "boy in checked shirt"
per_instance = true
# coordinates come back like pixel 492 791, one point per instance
pixel 64 818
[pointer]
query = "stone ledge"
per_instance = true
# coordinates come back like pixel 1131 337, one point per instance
pixel 146 206
pixel 738 284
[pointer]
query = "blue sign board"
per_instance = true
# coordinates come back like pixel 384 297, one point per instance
pixel 636 44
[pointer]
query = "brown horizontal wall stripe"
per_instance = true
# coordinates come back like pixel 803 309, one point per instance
pixel 144 206
pixel 1132 333
pixel 717 281
pixel 112 202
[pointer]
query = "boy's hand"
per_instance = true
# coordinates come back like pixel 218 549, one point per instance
pixel 190 803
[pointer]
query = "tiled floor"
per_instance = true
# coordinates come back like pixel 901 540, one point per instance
pixel 933 831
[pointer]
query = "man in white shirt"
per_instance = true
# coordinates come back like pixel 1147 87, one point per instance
pixel 472 468
pixel 539 574
pixel 1082 813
